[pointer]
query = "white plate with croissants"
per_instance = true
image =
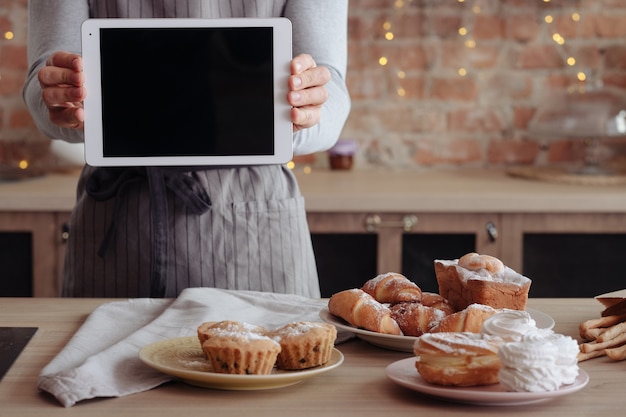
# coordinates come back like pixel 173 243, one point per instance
pixel 391 311
pixel 405 343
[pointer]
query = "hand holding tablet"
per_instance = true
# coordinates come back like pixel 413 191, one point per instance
pixel 185 92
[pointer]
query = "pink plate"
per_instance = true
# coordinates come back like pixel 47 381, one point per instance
pixel 403 372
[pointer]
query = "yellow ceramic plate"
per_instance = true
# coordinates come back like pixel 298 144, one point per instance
pixel 183 358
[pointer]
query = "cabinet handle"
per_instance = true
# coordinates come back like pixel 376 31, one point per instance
pixel 492 231
pixel 374 221
pixel 65 232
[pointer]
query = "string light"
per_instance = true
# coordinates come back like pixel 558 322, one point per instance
pixel 558 39
pixel 8 35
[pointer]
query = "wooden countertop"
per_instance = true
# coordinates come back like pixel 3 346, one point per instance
pixel 464 190
pixel 453 191
pixel 358 387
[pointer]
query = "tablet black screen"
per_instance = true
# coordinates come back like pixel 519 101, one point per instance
pixel 187 91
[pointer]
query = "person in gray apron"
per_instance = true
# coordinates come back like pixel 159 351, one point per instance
pixel 152 232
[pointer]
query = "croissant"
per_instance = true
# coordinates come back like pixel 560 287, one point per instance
pixel 361 310
pixel 431 299
pixel 415 319
pixel 392 288
pixel 470 319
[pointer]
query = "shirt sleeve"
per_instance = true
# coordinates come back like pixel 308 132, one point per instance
pixel 46 35
pixel 320 29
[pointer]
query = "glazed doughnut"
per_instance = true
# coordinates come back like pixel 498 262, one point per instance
pixel 475 262
pixel 392 287
pixel 458 359
pixel 416 319
pixel 431 299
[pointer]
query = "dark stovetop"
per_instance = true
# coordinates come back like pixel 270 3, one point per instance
pixel 12 341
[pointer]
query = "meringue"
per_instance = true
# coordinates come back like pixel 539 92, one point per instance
pixel 540 360
pixel 511 325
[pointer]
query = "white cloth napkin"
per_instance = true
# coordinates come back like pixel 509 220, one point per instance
pixel 102 358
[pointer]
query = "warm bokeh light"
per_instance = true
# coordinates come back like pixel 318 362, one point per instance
pixel 8 35
pixel 383 61
pixel 462 72
pixel 389 36
pixel 571 61
pixel 23 164
pixel 581 76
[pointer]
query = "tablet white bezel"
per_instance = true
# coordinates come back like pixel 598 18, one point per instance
pixel 283 128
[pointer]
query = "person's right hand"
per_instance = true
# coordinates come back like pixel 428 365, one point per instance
pixel 63 91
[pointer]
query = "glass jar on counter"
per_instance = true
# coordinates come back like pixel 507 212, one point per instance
pixel 341 156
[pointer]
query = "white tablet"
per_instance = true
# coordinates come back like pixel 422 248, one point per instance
pixel 182 92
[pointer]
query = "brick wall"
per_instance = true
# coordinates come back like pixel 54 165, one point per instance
pixel 19 138
pixel 443 98
pixel 420 111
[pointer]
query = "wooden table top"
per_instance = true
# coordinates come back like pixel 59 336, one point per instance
pixel 359 387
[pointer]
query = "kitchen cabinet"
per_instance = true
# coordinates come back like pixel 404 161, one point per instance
pixel 530 225
pixel 38 208
pixel 398 243
pixel 566 254
pixel 368 222
pixel 46 237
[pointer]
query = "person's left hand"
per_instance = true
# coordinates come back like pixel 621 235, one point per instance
pixel 307 91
